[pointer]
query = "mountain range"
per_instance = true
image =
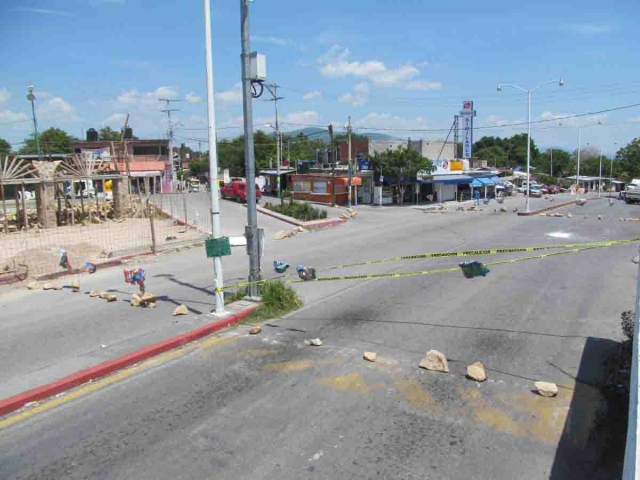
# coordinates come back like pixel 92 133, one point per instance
pixel 323 134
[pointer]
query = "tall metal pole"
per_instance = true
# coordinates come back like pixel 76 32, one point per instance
pixel 278 149
pixel 31 97
pixel 213 160
pixel 611 170
pixel 251 230
pixel 349 157
pixel 172 172
pixel 600 178
pixel 528 152
pixel 578 171
pixel 551 162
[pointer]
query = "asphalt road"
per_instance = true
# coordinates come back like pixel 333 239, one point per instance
pixel 269 406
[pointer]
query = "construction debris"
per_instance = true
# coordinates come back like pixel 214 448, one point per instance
pixel 180 310
pixel 255 330
pixel 282 234
pixel 636 259
pixel 75 285
pixel 547 389
pixel 435 361
pixel 316 342
pixel 370 356
pixel 569 215
pixel 476 372
pixel 109 297
pixel 135 300
pixel 94 293
pixel 47 286
pixel 33 286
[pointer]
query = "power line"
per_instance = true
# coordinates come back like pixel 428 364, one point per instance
pixel 485 127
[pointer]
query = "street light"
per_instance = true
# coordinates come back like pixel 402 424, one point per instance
pixel 529 93
pixel 31 97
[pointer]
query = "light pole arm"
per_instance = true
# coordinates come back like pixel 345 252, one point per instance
pixel 546 83
pixel 513 85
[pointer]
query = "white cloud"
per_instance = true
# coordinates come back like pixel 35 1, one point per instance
pixel 290 121
pixel 310 95
pixel 4 95
pixel 57 109
pixel 335 63
pixel 233 95
pixel 359 97
pixel 44 11
pixel 588 29
pixel 423 85
pixel 392 122
pixel 193 98
pixel 8 116
pixel 308 117
pixel 280 42
pixel 146 100
pixel 116 119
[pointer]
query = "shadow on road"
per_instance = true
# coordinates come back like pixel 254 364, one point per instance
pixel 593 439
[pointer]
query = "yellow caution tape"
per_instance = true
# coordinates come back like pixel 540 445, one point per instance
pixel 573 248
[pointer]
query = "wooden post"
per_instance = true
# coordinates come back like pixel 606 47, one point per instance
pixel 97 200
pixel 184 205
pixel 24 209
pixel 151 212
pixel 4 208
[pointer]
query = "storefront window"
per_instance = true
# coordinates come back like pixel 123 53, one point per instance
pixel 320 186
pixel 301 185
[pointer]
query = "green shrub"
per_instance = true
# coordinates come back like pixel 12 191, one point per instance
pixel 277 300
pixel 298 210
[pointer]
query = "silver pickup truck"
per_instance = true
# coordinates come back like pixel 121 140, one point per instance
pixel 632 192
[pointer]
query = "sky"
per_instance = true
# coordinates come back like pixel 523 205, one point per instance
pixel 402 68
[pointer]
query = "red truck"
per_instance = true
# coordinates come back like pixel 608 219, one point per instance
pixel 237 190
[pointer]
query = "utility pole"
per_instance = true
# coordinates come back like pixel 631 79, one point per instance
pixel 600 177
pixel 289 152
pixel 456 138
pixel 333 166
pixel 578 171
pixel 551 162
pixel 213 160
pixel 170 134
pixel 349 158
pixel 31 97
pixel 273 89
pixel 251 230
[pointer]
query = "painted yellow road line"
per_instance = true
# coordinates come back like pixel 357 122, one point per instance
pixel 88 388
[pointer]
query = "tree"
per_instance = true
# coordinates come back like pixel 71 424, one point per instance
pixel 494 155
pixel 402 165
pixel 106 133
pixel 199 168
pixel 515 148
pixel 563 164
pixel 52 140
pixel 5 148
pixel 628 160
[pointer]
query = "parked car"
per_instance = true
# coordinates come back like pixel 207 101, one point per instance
pixel 535 191
pixel 544 189
pixel 553 189
pixel 237 190
pixel 632 193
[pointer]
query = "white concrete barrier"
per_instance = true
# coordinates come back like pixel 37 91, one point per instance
pixel 631 455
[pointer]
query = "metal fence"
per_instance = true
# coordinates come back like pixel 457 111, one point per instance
pixel 151 223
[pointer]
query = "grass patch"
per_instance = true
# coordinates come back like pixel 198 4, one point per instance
pixel 298 210
pixel 277 300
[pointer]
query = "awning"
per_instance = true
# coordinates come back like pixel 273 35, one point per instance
pixel 447 179
pixel 274 171
pixel 146 174
pixel 486 181
pixel 497 180
pixel 476 183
